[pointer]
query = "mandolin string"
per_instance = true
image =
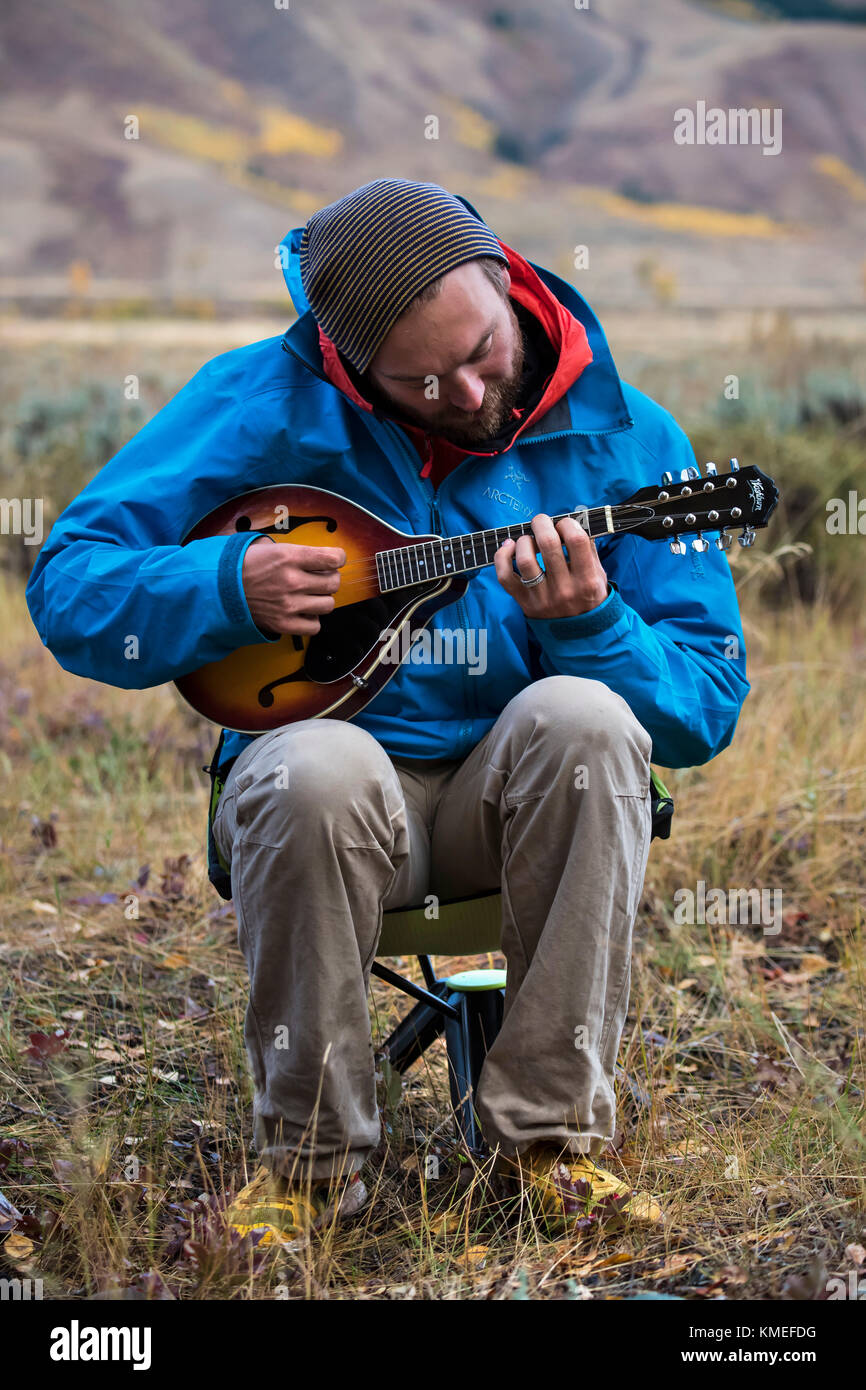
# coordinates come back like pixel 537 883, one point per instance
pixel 370 568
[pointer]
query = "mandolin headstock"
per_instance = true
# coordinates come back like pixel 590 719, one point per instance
pixel 741 498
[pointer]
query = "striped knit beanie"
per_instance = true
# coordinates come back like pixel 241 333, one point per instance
pixel 366 256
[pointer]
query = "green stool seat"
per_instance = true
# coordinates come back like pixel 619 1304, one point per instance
pixel 468 927
pixel 467 980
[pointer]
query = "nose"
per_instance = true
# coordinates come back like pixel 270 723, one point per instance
pixel 466 392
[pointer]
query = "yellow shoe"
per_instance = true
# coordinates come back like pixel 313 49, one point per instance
pixel 284 1213
pixel 571 1189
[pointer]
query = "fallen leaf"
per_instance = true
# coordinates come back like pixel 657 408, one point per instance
pixel 476 1256
pixel 193 1010
pixel 771 1074
pixel 45 1045
pixel 675 1264
pixel 813 964
pixel 174 961
pixel 807 1286
pixel 93 966
pixel 691 1149
pixel 18 1247
pixel 622 1257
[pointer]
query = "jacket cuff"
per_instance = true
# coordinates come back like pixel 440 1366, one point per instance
pixel 552 630
pixel 231 589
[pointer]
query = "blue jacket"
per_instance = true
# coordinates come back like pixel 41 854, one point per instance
pixel 667 638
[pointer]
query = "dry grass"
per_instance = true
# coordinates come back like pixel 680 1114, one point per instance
pixel 741 1095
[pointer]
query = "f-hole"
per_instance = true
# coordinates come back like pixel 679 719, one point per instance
pixel 244 523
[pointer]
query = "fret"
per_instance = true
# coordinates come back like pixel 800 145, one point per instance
pixel 408 565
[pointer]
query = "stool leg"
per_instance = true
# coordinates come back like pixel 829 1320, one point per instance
pixel 460 1071
pixel 413 1035
pixel 483 1019
pixel 468 1042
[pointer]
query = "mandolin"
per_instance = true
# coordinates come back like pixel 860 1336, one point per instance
pixel 392 580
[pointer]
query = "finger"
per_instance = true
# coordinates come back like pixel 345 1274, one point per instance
pixel 315 581
pixel 575 538
pixel 503 562
pixel 549 542
pixel 296 625
pixel 320 557
pixel 524 557
pixel 310 605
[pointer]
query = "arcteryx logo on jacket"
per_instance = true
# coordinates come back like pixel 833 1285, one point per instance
pixel 113 565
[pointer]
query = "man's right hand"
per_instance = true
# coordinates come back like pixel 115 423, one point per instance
pixel 288 586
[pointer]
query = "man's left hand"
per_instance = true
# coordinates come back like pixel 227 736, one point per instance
pixel 570 586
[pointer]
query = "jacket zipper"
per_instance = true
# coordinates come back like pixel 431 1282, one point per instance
pixel 568 434
pixel 432 500
pixel 470 703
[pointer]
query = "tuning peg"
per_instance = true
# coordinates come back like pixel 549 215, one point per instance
pixel 687 474
pixel 712 470
pixel 734 465
pixel 724 541
pixel 667 479
pixel 700 544
pixel 678 548
pixel 747 536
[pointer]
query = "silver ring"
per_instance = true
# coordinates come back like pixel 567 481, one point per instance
pixel 531 583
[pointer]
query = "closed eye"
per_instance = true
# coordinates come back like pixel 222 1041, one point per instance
pixel 477 357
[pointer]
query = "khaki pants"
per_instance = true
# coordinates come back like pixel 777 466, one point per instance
pixel 323 829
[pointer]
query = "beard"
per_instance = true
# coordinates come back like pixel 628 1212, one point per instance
pixel 458 426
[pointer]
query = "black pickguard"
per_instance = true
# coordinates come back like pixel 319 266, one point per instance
pixel 348 634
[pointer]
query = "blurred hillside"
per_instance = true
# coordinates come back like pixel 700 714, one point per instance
pixel 557 123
